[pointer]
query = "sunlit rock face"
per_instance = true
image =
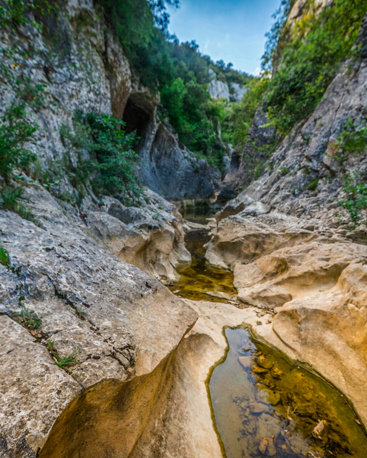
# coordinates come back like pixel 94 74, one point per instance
pixel 221 90
pixel 164 413
pixel 313 278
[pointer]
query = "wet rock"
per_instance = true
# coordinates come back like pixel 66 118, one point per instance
pixel 245 361
pixel 274 398
pixel 276 373
pixel 259 370
pixel 319 428
pixel 257 408
pixel 269 381
pixel 263 446
pixel 267 447
pixel 264 362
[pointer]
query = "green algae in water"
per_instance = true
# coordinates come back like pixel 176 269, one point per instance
pixel 265 406
pixel 199 280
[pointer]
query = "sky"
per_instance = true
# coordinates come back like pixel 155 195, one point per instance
pixel 231 30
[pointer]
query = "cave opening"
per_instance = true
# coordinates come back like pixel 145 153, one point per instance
pixel 137 115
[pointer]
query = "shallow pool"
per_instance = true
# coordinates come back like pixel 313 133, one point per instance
pixel 266 406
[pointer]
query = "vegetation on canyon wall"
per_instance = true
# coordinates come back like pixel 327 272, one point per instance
pixel 112 158
pixel 178 70
pixel 109 170
pixel 311 52
pixel 300 60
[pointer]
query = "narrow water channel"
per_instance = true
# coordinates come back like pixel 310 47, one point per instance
pixel 263 404
pixel 199 280
pixel 266 406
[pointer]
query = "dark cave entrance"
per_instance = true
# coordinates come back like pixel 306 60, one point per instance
pixel 138 114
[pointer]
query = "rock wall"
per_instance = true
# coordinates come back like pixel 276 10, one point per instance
pixel 77 59
pixel 221 90
pixel 291 254
pixel 309 154
pixel 172 171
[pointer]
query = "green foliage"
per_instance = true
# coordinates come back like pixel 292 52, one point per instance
pixel 277 32
pixel 239 116
pixel 313 185
pixel 195 116
pixel 284 170
pixel 356 198
pixel 259 170
pixel 353 138
pixel 9 200
pixel 115 157
pixel 4 257
pixel 113 161
pixel 17 12
pixel 15 128
pixel 14 132
pixel 226 73
pixel 68 360
pixel 50 346
pixel 310 59
pixel 140 26
pixel 27 318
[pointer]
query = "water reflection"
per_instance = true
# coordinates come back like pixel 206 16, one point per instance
pixel 264 406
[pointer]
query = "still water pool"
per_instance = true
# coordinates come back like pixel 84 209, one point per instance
pixel 199 280
pixel 266 406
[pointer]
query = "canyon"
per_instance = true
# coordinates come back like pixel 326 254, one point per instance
pixel 96 274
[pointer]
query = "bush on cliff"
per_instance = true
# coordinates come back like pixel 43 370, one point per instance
pixel 178 70
pixel 111 167
pixel 15 131
pixel 311 53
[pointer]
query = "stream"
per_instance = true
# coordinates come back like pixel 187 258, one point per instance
pixel 263 404
pixel 199 280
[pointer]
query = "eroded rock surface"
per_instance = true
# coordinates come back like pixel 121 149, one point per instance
pixel 314 278
pixel 165 413
pixel 121 321
pixel 150 237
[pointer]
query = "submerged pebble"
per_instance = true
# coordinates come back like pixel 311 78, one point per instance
pixel 272 408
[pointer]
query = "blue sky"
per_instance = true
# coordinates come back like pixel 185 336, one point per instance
pixel 232 30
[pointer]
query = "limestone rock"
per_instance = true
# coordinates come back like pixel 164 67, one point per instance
pixel 315 280
pixel 122 321
pixel 150 237
pixel 129 419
